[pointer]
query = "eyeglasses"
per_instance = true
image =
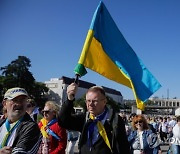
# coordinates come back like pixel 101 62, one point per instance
pixel 94 101
pixel 19 100
pixel 46 111
pixel 139 121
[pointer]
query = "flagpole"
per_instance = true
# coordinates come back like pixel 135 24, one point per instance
pixel 76 80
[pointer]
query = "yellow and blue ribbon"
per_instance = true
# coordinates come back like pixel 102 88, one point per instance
pixel 100 127
pixel 9 131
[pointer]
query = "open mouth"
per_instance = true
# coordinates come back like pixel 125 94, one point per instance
pixel 18 108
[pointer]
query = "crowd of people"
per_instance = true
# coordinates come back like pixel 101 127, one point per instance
pixel 100 130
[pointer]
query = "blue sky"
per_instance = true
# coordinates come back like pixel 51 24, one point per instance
pixel 51 34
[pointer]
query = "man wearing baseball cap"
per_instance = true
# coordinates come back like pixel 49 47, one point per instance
pixel 18 132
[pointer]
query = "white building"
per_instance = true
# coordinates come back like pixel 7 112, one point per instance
pixel 166 102
pixel 164 106
pixel 58 86
pixel 177 112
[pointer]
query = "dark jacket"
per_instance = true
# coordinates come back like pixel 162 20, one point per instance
pixel 115 130
pixel 28 137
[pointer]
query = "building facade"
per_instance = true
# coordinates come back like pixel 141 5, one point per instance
pixel 158 106
pixel 166 102
pixel 58 86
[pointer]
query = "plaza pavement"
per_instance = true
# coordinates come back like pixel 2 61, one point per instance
pixel 164 149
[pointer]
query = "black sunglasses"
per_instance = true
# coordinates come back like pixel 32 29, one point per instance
pixel 139 121
pixel 46 111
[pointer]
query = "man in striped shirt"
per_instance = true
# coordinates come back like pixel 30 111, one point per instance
pixel 18 132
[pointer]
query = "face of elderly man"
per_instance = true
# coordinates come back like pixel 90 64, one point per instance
pixel 95 102
pixel 16 107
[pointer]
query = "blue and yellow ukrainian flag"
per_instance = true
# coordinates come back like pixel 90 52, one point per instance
pixel 107 52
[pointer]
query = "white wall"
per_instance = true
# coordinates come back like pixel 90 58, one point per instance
pixel 177 112
pixel 58 91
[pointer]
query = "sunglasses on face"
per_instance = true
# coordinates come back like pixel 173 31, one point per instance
pixel 46 111
pixel 139 121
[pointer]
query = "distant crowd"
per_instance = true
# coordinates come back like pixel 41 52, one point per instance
pixel 100 130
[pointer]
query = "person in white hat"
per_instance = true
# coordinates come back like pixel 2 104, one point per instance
pixel 18 132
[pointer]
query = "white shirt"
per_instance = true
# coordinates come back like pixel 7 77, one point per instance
pixel 3 132
pixel 176 131
pixel 141 139
pixel 138 144
pixel 172 123
pixel 164 127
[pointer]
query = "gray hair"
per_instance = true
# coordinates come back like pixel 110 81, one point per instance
pixel 53 106
pixel 95 89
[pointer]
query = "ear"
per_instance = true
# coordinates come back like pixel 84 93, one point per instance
pixel 4 102
pixel 105 101
pixel 54 113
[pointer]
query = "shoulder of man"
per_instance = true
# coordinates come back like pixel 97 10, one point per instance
pixel 117 120
pixel 29 124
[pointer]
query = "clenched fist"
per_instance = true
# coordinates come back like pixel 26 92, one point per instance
pixel 71 91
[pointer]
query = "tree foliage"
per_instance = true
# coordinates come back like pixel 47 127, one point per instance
pixel 81 102
pixel 113 104
pixel 17 74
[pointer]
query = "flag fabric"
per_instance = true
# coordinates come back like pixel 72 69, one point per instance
pixel 106 52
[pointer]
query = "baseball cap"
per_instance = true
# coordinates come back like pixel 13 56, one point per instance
pixel 14 92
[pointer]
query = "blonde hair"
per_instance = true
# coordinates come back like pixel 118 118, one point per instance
pixel 53 106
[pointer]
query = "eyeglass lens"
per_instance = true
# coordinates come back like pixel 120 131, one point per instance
pixel 46 112
pixel 140 121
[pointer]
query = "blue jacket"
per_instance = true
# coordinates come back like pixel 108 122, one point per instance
pixel 150 141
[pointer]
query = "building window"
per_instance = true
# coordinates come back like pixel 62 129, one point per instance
pixel 157 103
pixel 174 104
pixel 163 103
pixel 177 103
pixel 52 85
pixel 166 103
pixel 170 103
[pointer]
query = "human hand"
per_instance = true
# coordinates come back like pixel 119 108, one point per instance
pixel 6 150
pixel 71 91
pixel 159 151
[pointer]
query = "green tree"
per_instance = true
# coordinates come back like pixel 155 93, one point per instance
pixel 1 87
pixel 81 102
pixel 113 104
pixel 17 74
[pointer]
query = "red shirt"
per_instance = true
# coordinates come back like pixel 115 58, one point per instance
pixel 55 146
